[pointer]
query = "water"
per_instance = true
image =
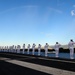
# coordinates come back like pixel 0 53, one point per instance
pixel 61 55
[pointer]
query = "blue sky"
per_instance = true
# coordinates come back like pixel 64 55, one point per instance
pixel 36 21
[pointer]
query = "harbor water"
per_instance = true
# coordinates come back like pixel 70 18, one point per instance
pixel 61 55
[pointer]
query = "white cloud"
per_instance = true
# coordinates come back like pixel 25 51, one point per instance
pixel 56 10
pixel 11 9
pixel 46 34
pixel 73 12
pixel 31 6
pixel 73 5
pixel 42 33
pixel 60 3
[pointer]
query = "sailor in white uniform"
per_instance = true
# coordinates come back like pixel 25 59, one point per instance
pixel 7 48
pixel 18 48
pixel 46 49
pixel 11 49
pixel 15 49
pixel 0 48
pixel 28 48
pixel 71 48
pixel 33 47
pixel 23 48
pixel 56 47
pixel 39 49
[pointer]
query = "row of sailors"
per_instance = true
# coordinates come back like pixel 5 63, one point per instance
pixel 56 47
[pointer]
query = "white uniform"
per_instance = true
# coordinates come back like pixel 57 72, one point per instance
pixel 23 48
pixel 33 47
pixel 15 49
pixel 7 48
pixel 0 48
pixel 39 49
pixel 46 49
pixel 71 48
pixel 56 47
pixel 28 48
pixel 11 48
pixel 18 48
